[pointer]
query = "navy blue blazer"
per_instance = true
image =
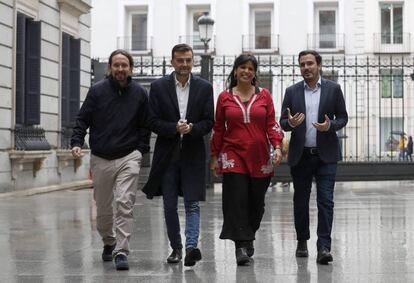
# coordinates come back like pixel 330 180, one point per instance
pixel 163 117
pixel 331 103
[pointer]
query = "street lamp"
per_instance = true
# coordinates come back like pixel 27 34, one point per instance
pixel 205 26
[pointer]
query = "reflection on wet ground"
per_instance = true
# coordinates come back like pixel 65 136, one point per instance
pixel 52 238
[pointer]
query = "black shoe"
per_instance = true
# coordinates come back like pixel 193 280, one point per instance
pixel 324 256
pixel 107 252
pixel 249 248
pixel 302 249
pixel 192 255
pixel 241 256
pixel 121 262
pixel 175 256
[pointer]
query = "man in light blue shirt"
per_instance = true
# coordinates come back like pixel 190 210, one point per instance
pixel 313 110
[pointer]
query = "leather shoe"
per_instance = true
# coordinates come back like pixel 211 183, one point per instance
pixel 175 256
pixel 192 255
pixel 249 248
pixel 241 256
pixel 324 256
pixel 302 249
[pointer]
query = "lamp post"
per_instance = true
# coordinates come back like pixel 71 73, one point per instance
pixel 205 26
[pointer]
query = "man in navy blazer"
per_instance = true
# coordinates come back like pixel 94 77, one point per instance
pixel 181 113
pixel 313 110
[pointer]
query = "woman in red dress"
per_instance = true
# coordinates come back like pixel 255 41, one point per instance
pixel 244 129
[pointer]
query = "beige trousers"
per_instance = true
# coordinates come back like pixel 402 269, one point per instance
pixel 115 180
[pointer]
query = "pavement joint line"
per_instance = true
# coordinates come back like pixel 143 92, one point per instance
pixel 77 185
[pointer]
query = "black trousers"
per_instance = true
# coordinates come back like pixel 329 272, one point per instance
pixel 243 205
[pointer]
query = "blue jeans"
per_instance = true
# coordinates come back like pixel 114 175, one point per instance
pixel 401 156
pixel 309 167
pixel 170 190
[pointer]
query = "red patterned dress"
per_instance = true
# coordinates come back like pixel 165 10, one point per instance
pixel 242 133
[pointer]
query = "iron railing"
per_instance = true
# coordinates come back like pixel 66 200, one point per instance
pixel 378 90
pixel 322 42
pixel 264 44
pixel 379 100
pixel 135 45
pixel 30 138
pixel 198 46
pixel 392 43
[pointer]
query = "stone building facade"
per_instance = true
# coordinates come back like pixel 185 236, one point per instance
pixel 44 76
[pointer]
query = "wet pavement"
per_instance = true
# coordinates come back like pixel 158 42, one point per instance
pixel 52 238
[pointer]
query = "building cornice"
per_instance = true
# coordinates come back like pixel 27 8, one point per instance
pixel 74 7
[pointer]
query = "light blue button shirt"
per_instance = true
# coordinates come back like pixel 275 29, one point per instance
pixel 312 97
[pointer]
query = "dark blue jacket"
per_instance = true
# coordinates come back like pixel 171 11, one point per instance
pixel 331 103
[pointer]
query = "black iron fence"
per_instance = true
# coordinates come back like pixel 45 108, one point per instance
pixel 378 90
